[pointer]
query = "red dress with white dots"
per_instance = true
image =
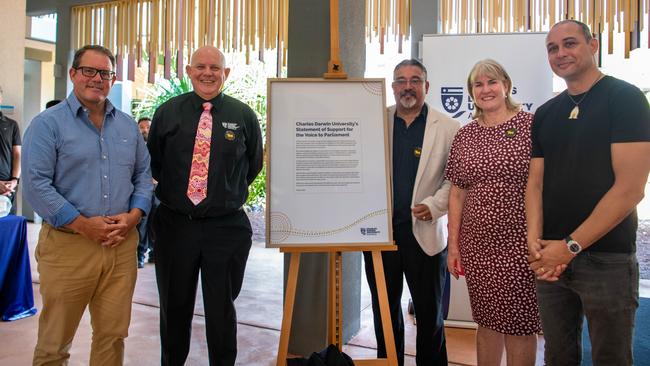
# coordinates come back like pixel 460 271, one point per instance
pixel 491 164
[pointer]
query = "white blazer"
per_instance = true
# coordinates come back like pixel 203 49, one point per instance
pixel 430 186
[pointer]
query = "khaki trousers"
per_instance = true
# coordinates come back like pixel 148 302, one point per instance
pixel 74 273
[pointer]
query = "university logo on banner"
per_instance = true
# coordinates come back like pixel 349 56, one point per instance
pixel 452 99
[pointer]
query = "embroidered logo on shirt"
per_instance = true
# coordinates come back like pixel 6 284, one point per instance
pixel 230 125
pixel 229 135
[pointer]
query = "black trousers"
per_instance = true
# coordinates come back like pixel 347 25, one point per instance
pixel 425 276
pixel 184 247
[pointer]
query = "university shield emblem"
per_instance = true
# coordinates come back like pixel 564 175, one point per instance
pixel 452 98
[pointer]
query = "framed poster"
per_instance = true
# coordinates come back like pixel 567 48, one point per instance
pixel 328 181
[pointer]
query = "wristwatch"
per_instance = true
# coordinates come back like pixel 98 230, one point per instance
pixel 16 179
pixel 573 246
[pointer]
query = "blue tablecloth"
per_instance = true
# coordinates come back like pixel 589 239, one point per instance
pixel 16 294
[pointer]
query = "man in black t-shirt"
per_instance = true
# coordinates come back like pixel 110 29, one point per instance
pixel 9 157
pixel 589 167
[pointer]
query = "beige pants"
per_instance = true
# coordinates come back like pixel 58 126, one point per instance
pixel 76 272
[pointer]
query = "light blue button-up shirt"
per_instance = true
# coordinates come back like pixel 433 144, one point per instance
pixel 71 168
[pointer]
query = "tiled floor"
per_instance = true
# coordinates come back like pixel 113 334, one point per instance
pixel 259 310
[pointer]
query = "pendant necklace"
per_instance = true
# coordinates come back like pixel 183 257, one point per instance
pixel 576 109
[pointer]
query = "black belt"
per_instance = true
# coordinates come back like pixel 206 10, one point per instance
pixel 198 218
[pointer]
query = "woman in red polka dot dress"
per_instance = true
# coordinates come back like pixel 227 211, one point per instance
pixel 488 168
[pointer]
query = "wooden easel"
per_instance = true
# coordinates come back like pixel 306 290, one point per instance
pixel 334 66
pixel 334 302
pixel 334 308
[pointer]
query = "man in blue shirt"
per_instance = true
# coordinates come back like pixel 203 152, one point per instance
pixel 86 172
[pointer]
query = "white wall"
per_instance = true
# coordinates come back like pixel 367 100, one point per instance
pixel 47 70
pixel 12 59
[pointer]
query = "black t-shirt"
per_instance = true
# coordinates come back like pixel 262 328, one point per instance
pixel 235 154
pixel 407 147
pixel 577 156
pixel 9 137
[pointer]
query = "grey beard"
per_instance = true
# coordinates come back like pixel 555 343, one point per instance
pixel 407 103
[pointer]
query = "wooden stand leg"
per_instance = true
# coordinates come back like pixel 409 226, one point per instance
pixel 334 301
pixel 334 305
pixel 290 297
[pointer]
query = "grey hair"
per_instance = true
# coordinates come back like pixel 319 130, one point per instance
pixel 411 62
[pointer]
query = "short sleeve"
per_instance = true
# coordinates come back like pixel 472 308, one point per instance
pixel 15 138
pixel 536 148
pixel 453 171
pixel 630 115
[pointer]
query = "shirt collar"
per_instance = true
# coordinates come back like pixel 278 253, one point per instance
pixel 424 112
pixel 76 105
pixel 197 101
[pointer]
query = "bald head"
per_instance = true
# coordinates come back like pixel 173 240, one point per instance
pixel 210 52
pixel 207 71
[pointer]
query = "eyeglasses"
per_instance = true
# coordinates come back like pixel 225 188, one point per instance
pixel 91 72
pixel 402 82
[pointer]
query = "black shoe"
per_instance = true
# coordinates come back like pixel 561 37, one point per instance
pixel 152 258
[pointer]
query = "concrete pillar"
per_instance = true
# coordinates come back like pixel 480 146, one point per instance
pixel 12 64
pixel 308 54
pixel 424 20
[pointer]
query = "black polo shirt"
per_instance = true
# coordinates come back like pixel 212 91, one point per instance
pixel 235 154
pixel 407 148
pixel 9 137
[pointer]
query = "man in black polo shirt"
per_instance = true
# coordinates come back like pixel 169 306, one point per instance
pixel 9 157
pixel 206 149
pixel 420 140
pixel 589 168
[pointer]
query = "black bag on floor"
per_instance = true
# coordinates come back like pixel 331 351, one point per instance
pixel 331 356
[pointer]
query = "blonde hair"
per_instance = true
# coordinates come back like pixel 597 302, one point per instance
pixel 494 70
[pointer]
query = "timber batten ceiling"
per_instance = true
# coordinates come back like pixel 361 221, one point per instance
pixel 173 29
pixel 630 17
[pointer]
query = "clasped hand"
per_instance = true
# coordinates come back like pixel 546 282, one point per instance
pixel 548 258
pixel 109 231
pixel 7 187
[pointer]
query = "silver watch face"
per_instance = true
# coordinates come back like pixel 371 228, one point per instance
pixel 574 247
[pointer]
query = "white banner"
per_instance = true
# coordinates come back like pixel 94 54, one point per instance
pixel 449 58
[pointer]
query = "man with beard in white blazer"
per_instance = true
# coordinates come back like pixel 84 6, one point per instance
pixel 420 138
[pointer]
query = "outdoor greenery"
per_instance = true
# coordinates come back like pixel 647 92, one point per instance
pixel 245 82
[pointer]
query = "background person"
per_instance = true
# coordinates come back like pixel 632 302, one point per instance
pixel 488 168
pixel 145 231
pixel 9 158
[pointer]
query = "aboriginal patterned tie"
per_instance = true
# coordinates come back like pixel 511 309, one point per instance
pixel 197 188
